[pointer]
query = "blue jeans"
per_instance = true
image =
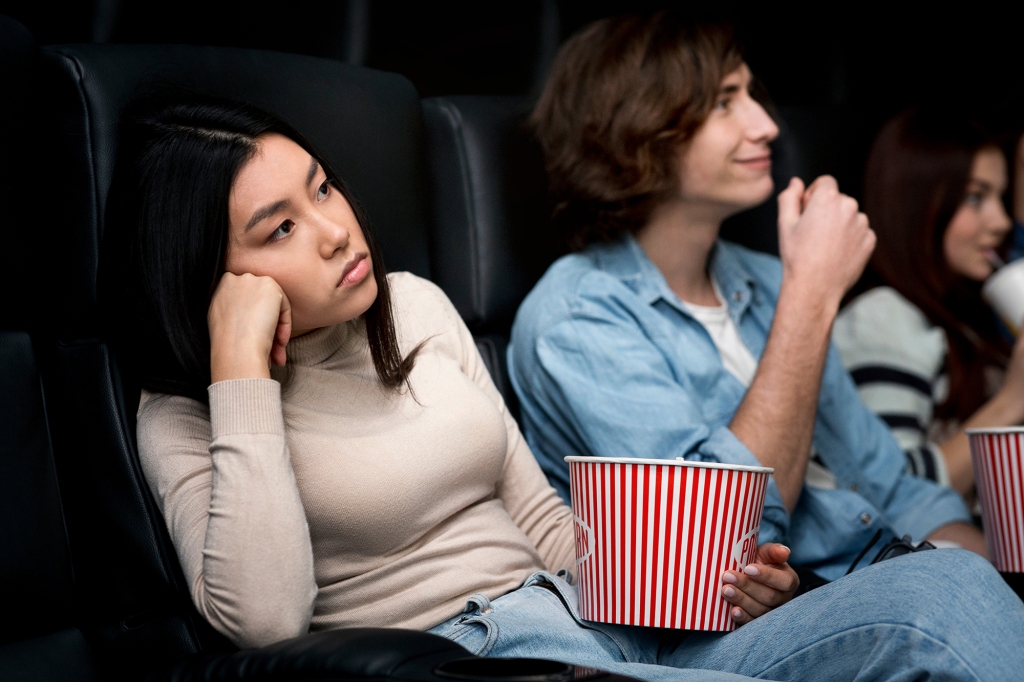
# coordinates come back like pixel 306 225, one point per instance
pixel 937 615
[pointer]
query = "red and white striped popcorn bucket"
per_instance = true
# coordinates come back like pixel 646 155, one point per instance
pixel 998 456
pixel 653 538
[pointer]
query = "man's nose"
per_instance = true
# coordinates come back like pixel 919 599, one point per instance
pixel 760 126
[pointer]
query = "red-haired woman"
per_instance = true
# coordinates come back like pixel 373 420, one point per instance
pixel 922 346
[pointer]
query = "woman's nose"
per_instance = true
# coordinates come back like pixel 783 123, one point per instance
pixel 999 221
pixel 334 237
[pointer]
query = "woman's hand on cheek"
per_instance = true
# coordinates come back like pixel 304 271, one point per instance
pixel 766 583
pixel 250 323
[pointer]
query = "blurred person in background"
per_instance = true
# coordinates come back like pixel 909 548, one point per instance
pixel 659 339
pixel 924 349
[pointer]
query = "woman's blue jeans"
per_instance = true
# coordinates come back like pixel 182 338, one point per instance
pixel 937 615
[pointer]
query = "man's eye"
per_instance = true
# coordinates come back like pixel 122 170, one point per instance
pixel 282 231
pixel 323 190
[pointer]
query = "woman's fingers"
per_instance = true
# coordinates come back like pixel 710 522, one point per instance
pixel 763 594
pixel 749 608
pixel 772 553
pixel 278 354
pixel 771 586
pixel 250 322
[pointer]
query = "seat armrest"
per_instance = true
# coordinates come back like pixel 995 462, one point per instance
pixel 352 654
pixel 373 654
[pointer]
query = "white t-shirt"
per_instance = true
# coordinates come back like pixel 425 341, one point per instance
pixel 739 361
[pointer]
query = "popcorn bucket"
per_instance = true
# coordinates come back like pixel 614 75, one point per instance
pixel 998 456
pixel 653 538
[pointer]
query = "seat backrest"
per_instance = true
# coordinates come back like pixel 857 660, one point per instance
pixel 491 235
pixel 38 636
pixel 491 238
pixel 135 606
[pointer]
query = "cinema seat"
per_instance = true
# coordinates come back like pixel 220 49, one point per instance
pixel 132 617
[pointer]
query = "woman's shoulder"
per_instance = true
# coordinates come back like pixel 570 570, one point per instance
pixel 160 415
pixel 882 327
pixel 414 295
pixel 421 308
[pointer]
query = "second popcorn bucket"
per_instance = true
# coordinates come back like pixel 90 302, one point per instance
pixel 653 538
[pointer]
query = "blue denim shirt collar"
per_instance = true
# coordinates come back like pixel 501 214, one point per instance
pixel 630 263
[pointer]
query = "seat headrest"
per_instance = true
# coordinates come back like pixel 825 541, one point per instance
pixel 367 123
pixel 491 234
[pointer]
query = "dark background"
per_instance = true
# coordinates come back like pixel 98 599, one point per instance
pixel 835 71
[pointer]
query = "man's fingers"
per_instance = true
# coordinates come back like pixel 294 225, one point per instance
pixel 790 202
pixel 824 184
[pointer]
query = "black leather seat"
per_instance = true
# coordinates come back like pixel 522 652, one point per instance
pixel 491 235
pixel 39 638
pixel 131 603
pixel 130 588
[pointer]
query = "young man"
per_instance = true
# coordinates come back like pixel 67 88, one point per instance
pixel 659 340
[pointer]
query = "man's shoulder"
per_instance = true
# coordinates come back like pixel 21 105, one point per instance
pixel 573 285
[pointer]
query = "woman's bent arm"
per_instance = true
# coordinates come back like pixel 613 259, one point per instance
pixel 225 484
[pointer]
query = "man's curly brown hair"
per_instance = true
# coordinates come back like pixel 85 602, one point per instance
pixel 623 96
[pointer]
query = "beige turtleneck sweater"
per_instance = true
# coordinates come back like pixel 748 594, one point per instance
pixel 330 503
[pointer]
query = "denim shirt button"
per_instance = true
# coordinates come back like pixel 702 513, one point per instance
pixel 865 518
pixel 853 487
pixel 737 296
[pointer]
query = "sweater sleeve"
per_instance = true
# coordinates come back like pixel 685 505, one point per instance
pixel 224 482
pixel 895 358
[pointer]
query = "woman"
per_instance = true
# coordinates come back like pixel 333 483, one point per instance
pixel 922 346
pixel 351 463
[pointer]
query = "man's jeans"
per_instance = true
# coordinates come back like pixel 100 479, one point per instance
pixel 938 615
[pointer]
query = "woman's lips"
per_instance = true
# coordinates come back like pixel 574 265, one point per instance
pixel 355 271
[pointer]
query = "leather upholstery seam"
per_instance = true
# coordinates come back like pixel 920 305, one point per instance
pixel 465 174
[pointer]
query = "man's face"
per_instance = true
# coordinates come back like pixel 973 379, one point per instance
pixel 727 163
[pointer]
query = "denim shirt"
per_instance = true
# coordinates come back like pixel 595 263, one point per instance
pixel 607 362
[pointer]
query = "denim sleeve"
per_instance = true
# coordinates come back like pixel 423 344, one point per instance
pixel 910 503
pixel 612 393
pixel 920 507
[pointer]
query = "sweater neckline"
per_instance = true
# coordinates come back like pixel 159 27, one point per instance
pixel 319 345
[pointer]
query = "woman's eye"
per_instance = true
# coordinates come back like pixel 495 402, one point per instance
pixel 974 199
pixel 722 104
pixel 282 231
pixel 323 190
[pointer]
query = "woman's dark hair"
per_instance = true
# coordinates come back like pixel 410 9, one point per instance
pixel 916 178
pixel 623 95
pixel 166 237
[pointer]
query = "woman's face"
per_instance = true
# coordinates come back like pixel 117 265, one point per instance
pixel 289 223
pixel 727 164
pixel 980 224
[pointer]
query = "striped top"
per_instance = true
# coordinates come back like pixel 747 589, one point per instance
pixel 897 360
